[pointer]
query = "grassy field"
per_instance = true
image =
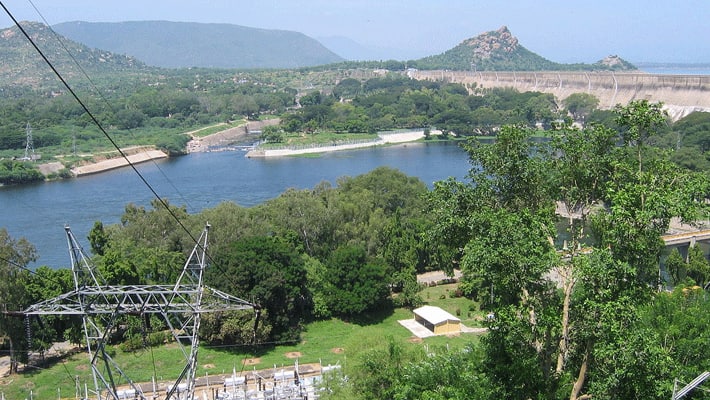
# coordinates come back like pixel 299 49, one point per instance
pixel 209 130
pixel 330 342
pixel 320 138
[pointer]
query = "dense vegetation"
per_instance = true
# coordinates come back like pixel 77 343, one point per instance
pixel 584 321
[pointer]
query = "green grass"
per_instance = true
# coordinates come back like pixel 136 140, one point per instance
pixel 319 138
pixel 330 342
pixel 208 130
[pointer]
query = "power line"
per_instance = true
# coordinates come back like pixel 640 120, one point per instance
pixel 97 123
pixel 58 38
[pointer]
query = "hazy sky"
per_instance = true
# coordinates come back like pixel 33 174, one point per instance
pixel 560 30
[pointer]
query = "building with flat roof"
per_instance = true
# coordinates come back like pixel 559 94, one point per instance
pixel 437 320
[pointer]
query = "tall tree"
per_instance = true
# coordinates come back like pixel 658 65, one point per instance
pixel 355 284
pixel 268 271
pixel 15 255
pixel 546 341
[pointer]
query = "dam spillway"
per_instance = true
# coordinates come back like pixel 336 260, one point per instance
pixel 681 94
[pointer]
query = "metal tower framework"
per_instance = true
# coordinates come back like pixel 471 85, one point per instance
pixel 29 145
pixel 100 305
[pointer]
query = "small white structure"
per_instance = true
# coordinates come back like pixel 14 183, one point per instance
pixel 437 320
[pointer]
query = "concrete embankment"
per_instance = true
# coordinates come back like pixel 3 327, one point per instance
pixel 113 163
pixel 682 94
pixel 385 138
pixel 227 136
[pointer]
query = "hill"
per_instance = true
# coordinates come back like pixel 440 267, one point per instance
pixel 186 44
pixel 23 66
pixel 500 51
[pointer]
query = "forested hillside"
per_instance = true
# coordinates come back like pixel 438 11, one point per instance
pixel 186 44
pixel 24 69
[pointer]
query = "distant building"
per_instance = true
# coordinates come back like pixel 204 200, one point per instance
pixel 437 320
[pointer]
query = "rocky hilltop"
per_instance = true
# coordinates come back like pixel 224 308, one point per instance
pixel 500 50
pixel 615 63
pixel 490 44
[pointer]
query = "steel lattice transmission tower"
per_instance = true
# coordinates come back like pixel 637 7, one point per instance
pixel 100 306
pixel 29 144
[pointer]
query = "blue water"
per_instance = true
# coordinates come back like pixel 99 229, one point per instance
pixel 198 181
pixel 677 70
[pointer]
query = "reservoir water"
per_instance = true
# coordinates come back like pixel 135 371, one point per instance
pixel 198 181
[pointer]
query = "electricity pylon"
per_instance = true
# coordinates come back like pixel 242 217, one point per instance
pixel 29 145
pixel 100 305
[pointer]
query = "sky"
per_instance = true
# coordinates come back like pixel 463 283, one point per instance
pixel 559 30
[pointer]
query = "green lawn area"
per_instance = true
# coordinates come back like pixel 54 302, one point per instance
pixel 208 130
pixel 330 342
pixel 320 138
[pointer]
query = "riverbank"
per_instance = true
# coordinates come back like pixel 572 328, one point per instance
pixel 113 163
pixel 137 155
pixel 227 136
pixel 383 139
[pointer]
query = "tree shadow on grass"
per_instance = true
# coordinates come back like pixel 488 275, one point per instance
pixel 372 317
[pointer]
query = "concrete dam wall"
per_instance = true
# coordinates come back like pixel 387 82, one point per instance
pixel 681 94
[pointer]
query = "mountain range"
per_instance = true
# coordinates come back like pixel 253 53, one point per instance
pixel 139 47
pixel 22 66
pixel 188 44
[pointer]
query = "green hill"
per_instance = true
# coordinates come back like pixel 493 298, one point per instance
pixel 183 44
pixel 500 51
pixel 22 66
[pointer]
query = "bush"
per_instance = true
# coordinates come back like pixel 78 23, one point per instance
pixel 138 342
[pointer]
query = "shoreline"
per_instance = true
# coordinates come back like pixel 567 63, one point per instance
pixel 114 163
pixel 145 155
pixel 384 138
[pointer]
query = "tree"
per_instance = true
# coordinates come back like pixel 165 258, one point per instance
pixel 680 322
pixel 14 257
pixel 445 375
pixel 268 271
pixel 581 105
pixel 580 164
pixel 272 134
pixel 645 191
pixel 676 267
pixel 380 368
pixel 354 284
pixel 512 170
pixel 307 214
pixel 347 88
pixel 569 342
pixel 98 238
pixel 46 283
pixel 639 121
pixel 698 266
pixel 504 262
pixel 311 99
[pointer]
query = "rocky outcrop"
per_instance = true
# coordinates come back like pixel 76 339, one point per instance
pixel 500 41
pixel 499 50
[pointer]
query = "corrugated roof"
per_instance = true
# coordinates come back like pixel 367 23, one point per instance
pixel 435 315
